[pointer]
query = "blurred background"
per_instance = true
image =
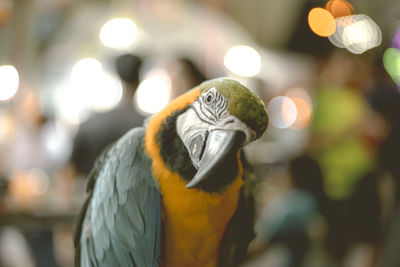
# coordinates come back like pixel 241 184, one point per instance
pixel 76 75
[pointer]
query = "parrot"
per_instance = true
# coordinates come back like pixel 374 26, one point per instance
pixel 175 191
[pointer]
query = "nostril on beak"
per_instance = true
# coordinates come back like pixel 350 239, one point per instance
pixel 196 148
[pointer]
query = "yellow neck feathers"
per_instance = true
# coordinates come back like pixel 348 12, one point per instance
pixel 194 221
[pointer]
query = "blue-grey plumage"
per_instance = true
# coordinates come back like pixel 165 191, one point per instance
pixel 121 223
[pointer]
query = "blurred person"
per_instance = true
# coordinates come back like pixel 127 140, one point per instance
pixel 307 175
pixel 365 217
pixel 102 129
pixel 341 116
pixel 185 74
pixel 344 157
pixel 26 147
pixel 345 135
pixel 347 156
pixel 286 220
pixel 386 100
pixel 26 155
pixel 336 140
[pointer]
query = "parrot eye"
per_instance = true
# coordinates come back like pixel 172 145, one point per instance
pixel 209 98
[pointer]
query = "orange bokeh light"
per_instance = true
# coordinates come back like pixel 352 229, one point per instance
pixel 5 16
pixel 321 22
pixel 339 8
pixel 304 113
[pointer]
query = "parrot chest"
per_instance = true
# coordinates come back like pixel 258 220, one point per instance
pixel 195 222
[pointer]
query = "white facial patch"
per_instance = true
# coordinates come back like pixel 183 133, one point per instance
pixel 188 125
pixel 207 113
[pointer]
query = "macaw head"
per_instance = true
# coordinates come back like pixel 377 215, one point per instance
pixel 222 119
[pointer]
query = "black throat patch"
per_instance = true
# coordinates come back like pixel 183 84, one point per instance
pixel 172 150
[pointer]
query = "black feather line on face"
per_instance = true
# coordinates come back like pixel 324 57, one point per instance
pixel 200 118
pixel 202 108
pixel 172 150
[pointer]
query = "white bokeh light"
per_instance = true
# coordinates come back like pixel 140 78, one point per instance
pixel 118 33
pixel 86 70
pixel 357 33
pixel 154 91
pixel 57 140
pixel 69 103
pixel 242 60
pixel 92 88
pixel 303 102
pixel 282 112
pixel 9 82
pixel 105 94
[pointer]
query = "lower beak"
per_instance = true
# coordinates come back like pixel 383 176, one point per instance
pixel 219 159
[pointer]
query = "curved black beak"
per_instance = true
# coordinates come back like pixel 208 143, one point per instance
pixel 219 159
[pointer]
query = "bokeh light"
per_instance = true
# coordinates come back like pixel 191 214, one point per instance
pixel 396 39
pixel 57 140
pixel 7 127
pixel 304 113
pixel 361 36
pixel 9 82
pixel 391 62
pixel 299 92
pixel 86 70
pixel 39 181
pixel 357 33
pixel 336 39
pixel 243 60
pixel 282 112
pixel 321 22
pixel 5 16
pixel 70 106
pixel 118 33
pixel 99 90
pixel 339 8
pixel 336 110
pixel 89 89
pixel 26 185
pixel 154 91
pixel 303 102
pixel 106 94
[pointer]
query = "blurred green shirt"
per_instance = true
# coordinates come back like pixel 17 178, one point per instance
pixel 343 156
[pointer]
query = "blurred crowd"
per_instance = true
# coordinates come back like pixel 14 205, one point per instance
pixel 44 165
pixel 327 185
pixel 336 203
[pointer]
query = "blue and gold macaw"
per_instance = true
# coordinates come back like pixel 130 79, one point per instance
pixel 174 193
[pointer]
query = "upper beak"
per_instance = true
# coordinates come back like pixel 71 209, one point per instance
pixel 219 158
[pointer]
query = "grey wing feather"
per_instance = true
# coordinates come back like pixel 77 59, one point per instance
pixel 120 223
